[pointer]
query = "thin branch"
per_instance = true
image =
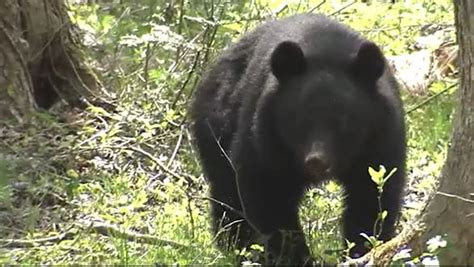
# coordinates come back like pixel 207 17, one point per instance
pixel 456 197
pixel 311 10
pixel 75 71
pixel 147 62
pixel 181 16
pixel 410 110
pixel 98 227
pixel 342 8
pixel 114 231
pixel 280 9
pixel 239 191
pixel 29 243
pixel 238 212
pixel 188 178
pixel 155 160
pixel 190 213
pixel 49 42
pixel 177 146
pixel 188 78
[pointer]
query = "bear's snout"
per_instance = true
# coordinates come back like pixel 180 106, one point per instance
pixel 316 164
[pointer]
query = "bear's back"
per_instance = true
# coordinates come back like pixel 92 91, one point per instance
pixel 320 37
pixel 245 65
pixel 242 72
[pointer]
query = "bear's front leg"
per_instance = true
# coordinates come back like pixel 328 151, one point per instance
pixel 270 204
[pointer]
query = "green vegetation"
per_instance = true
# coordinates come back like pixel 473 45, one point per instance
pixel 133 167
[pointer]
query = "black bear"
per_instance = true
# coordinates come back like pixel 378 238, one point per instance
pixel 294 102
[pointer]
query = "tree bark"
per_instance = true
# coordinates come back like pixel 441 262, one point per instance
pixel 451 210
pixel 40 60
pixel 15 81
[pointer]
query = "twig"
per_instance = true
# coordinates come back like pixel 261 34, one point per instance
pixel 225 228
pixel 342 8
pixel 239 192
pixel 98 227
pixel 311 10
pixel 280 9
pixel 391 28
pixel 155 160
pixel 456 197
pixel 211 38
pixel 191 217
pixel 149 48
pixel 146 64
pixel 382 255
pixel 229 225
pixel 176 147
pixel 181 16
pixel 29 243
pixel 221 231
pixel 238 212
pixel 187 48
pixel 112 230
pixel 200 20
pixel 417 106
pixel 187 177
pixel 188 78
pixel 49 41
pixel 72 64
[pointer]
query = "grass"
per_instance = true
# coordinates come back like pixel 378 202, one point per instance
pixel 135 167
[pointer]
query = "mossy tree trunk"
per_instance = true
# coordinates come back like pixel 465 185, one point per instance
pixel 451 211
pixel 40 60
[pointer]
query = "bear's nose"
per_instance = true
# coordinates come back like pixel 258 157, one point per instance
pixel 316 164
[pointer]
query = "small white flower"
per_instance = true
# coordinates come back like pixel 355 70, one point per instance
pixel 430 261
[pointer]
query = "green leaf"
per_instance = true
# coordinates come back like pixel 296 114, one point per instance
pixel 257 247
pixel 377 176
pixel 383 214
pixel 72 173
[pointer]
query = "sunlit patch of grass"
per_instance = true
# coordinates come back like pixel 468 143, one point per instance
pixel 428 133
pixel 321 216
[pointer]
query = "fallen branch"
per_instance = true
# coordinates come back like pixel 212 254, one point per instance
pixel 155 160
pixel 114 231
pixel 97 227
pixel 30 243
pixel 189 178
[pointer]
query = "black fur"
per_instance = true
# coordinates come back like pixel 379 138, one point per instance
pixel 294 102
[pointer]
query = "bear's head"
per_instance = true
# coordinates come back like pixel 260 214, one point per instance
pixel 323 110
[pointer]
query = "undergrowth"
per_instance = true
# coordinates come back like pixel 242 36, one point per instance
pixel 69 178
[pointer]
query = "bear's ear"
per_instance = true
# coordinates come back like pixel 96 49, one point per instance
pixel 369 63
pixel 287 60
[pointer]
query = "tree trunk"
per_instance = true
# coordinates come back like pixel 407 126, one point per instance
pixel 40 62
pixel 451 211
